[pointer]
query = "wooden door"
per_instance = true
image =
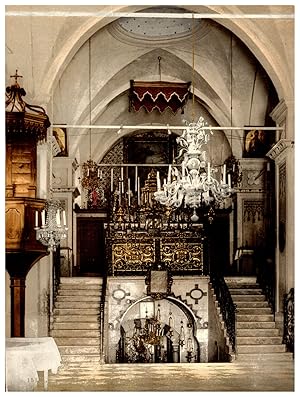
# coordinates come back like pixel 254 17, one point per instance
pixel 90 247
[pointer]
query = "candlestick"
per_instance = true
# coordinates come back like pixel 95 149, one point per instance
pixel 122 173
pixel 169 174
pixel 224 174
pixel 136 176
pixel 36 219
pixel 229 180
pixel 98 173
pixel 112 180
pixel 158 180
pixel 64 218
pixel 138 190
pixel 57 218
pixel 43 218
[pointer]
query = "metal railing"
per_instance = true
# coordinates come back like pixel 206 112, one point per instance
pixel 102 319
pixel 288 331
pixel 227 307
pixel 266 280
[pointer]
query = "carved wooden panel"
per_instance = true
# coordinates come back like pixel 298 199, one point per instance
pixel 21 169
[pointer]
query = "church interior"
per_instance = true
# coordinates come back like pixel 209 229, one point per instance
pixel 149 198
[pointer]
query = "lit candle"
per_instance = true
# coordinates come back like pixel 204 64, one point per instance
pixel 208 170
pixel 229 180
pixel 169 174
pixel 98 173
pixel 128 192
pixel 57 218
pixel 224 174
pixel 112 180
pixel 64 218
pixel 136 176
pixel 138 190
pixel 43 218
pixel 158 180
pixel 36 219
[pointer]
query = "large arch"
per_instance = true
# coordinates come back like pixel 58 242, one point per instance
pixel 243 28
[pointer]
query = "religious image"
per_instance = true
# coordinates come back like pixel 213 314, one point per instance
pixel 60 135
pixel 255 144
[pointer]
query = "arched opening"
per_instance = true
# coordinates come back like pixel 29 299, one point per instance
pixel 158 331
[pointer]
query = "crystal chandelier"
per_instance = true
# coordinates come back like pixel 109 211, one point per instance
pixel 199 183
pixel 53 224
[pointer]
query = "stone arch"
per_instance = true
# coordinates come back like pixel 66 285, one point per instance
pixel 242 28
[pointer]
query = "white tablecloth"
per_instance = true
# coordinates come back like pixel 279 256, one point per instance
pixel 26 356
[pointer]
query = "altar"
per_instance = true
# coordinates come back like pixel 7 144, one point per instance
pixel 25 357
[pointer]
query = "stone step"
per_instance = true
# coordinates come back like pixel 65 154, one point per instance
pixel 259 340
pixel 77 318
pixel 255 324
pixel 243 291
pixel 251 304
pixel 75 341
pixel 248 298
pixel 253 317
pixel 81 280
pixel 242 286
pixel 269 357
pixel 261 349
pixel 254 310
pixel 77 305
pixel 66 350
pixel 75 326
pixel 78 287
pixel 75 311
pixel 80 358
pixel 80 333
pixel 257 332
pixel 240 280
pixel 79 298
pixel 74 292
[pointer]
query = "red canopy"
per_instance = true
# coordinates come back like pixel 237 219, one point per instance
pixel 158 95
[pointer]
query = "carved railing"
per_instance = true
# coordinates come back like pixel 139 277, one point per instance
pixel 102 319
pixel 266 280
pixel 288 332
pixel 227 307
pixel 56 272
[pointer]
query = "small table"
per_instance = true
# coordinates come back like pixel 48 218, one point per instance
pixel 25 357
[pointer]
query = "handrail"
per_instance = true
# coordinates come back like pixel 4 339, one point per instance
pixel 266 280
pixel 288 331
pixel 227 307
pixel 102 315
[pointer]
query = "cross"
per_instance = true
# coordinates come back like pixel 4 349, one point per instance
pixel 16 76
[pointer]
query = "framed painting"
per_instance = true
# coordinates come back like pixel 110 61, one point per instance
pixel 60 135
pixel 257 142
pixel 149 148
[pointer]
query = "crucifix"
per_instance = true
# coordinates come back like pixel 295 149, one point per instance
pixel 16 76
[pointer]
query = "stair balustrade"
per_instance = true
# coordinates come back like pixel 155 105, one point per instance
pixel 227 307
pixel 288 332
pixel 266 281
pixel 102 318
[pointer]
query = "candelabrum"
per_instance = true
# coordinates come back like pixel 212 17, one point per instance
pixel 91 181
pixel 197 184
pixel 53 225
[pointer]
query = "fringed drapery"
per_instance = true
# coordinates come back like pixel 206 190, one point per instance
pixel 158 95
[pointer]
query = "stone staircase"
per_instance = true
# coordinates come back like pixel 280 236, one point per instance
pixel 75 322
pixel 257 336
